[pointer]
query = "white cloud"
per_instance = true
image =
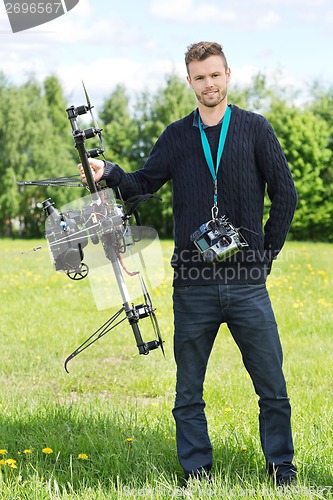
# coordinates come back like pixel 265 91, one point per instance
pixel 268 20
pixel 257 15
pixel 102 75
pixel 83 9
pixel 243 15
pixel 186 12
pixel 292 3
pixel 243 76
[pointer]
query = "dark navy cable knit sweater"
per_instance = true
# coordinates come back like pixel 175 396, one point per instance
pixel 252 160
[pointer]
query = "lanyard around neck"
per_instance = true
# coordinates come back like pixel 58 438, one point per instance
pixel 207 151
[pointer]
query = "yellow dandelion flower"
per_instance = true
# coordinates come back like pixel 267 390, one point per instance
pixel 48 451
pixel 227 410
pixel 244 448
pixel 129 440
pixel 11 462
pixel 3 452
pixel 82 456
pixel 27 451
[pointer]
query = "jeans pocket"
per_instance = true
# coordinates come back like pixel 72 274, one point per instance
pixel 255 286
pixel 182 289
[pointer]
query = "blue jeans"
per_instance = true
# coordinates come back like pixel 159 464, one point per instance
pixel 246 309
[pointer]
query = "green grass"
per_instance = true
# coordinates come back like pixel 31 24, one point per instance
pixel 114 406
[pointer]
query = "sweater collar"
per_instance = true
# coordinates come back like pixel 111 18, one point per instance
pixel 195 120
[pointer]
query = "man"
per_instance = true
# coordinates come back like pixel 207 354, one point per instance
pixel 211 179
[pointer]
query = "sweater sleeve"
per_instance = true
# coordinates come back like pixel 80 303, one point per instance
pixel 280 189
pixel 149 179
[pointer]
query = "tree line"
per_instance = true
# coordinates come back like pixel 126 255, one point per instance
pixel 36 143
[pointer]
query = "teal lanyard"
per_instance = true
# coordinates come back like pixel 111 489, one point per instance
pixel 208 153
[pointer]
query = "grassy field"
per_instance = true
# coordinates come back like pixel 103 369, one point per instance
pixel 105 430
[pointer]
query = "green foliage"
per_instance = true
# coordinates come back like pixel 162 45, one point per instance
pixel 33 147
pixel 36 142
pixel 306 135
pixel 304 139
pixel 56 106
pixel 120 131
pixel 322 107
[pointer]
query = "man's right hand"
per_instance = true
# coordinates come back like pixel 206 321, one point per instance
pixel 97 169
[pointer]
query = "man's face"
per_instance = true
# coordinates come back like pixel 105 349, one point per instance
pixel 209 80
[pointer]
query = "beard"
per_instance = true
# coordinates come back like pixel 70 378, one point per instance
pixel 213 100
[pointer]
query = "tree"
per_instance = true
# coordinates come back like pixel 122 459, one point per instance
pixel 304 139
pixel 120 131
pixel 322 106
pixel 31 147
pixel 56 106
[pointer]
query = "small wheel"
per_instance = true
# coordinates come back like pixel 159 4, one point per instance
pixel 79 275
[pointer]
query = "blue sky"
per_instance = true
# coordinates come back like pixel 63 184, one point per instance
pixel 138 42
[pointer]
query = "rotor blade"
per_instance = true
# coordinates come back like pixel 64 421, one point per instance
pixel 86 94
pixel 157 330
pixel 96 127
pixel 145 292
pixel 152 313
pixel 34 249
pixel 69 181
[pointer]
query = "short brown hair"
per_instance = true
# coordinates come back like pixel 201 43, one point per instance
pixel 201 50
